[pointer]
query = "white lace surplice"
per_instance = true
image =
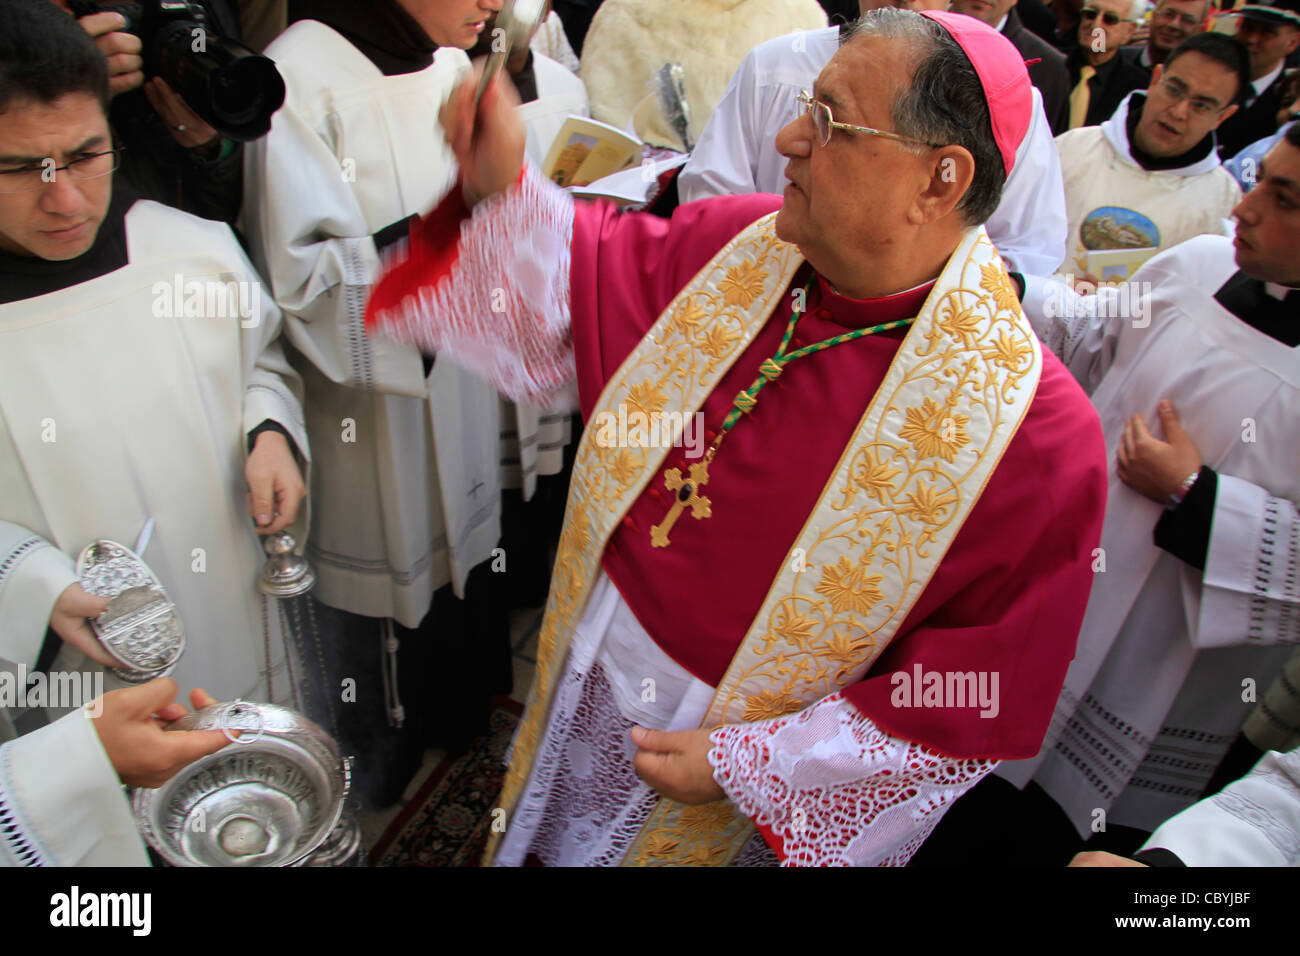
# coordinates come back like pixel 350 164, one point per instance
pixel 833 786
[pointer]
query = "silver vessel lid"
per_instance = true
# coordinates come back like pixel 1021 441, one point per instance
pixel 141 628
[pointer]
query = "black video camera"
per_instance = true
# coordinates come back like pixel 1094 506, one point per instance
pixel 234 89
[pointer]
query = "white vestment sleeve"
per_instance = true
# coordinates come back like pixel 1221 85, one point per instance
pixel 725 160
pixel 835 788
pixel 272 387
pixel 1254 821
pixel 310 239
pixel 61 802
pixel 1251 591
pixel 1029 226
pixel 1081 330
pixel 503 312
pixel 33 573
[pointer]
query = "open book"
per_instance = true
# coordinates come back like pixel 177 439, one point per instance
pixel 586 150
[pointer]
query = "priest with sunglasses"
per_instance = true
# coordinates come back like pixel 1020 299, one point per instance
pixel 802 637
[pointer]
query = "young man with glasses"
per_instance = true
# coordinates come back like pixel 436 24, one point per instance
pixel 1149 175
pixel 1099 77
pixel 1269 32
pixel 696 674
pixel 140 386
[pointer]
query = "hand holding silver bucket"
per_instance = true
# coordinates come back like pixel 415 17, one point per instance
pixel 270 798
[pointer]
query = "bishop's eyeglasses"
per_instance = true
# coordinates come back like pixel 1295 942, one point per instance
pixel 824 122
pixel 34 176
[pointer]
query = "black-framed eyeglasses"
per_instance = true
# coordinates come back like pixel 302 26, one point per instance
pixel 1108 17
pixel 1199 104
pixel 824 122
pixel 34 176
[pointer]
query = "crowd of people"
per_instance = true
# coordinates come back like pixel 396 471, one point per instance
pixel 986 312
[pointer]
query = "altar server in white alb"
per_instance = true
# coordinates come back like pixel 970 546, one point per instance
pixel 405 488
pixel 1150 176
pixel 1195 372
pixel 123 401
pixel 737 151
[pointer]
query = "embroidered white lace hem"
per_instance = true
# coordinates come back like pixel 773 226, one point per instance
pixel 836 788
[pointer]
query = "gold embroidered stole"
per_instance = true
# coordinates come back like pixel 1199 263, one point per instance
pixel 897 498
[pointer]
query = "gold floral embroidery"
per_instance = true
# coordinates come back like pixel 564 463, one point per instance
pixel 926 505
pixel 717 341
pixel 934 432
pixel 874 477
pixel 645 398
pixel 845 648
pixel 849 587
pixel 767 704
pixel 994 281
pixel 623 469
pixel 661 844
pixel 795 629
pixel 688 317
pixel 706 817
pixel 743 284
pixel 1007 351
pixel 963 324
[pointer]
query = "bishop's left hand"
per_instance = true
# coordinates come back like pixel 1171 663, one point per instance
pixel 676 764
pixel 1152 467
pixel 275 486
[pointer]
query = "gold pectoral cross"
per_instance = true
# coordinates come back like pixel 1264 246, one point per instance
pixel 687 494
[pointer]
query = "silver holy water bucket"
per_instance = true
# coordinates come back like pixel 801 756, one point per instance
pixel 273 797
pixel 141 628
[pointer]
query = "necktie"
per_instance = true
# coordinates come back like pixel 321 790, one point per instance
pixel 1079 97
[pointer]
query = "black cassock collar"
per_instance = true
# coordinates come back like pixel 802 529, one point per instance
pixel 1246 298
pixel 388 36
pixel 25 277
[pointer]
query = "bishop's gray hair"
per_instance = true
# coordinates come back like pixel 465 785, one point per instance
pixel 945 103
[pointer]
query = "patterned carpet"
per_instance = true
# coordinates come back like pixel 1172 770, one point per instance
pixel 448 821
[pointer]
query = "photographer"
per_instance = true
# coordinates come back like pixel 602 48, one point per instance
pixel 171 154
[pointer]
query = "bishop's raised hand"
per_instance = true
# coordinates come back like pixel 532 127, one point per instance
pixel 487 140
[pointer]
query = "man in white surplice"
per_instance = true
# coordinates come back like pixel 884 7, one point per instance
pixel 736 152
pixel 1180 632
pixel 406 495
pixel 128 391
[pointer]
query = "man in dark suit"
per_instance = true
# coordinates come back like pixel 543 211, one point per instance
pixel 1048 74
pixel 1099 77
pixel 1270 31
